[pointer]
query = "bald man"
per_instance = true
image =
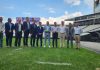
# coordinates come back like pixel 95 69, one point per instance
pixel 1 32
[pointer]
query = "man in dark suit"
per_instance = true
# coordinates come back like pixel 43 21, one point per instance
pixel 9 27
pixel 18 32
pixel 40 34
pixel 26 30
pixel 70 35
pixel 33 32
pixel 55 35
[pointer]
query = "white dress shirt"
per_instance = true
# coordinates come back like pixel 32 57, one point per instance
pixel 2 26
pixel 62 29
pixel 19 27
pixel 10 26
pixel 54 29
pixel 77 30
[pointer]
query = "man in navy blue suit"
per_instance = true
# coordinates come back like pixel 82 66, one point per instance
pixel 9 27
pixel 26 30
pixel 33 32
pixel 18 32
pixel 40 30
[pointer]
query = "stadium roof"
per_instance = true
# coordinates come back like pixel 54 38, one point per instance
pixel 73 19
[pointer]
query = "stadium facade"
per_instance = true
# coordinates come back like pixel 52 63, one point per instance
pixel 90 24
pixel 96 6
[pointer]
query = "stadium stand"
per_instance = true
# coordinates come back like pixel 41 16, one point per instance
pixel 90 28
pixel 90 25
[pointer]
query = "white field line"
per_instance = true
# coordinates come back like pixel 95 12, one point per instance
pixel 53 63
pixel 18 49
pixel 13 51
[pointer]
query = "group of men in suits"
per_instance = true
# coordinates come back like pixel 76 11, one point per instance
pixel 36 33
pixel 27 28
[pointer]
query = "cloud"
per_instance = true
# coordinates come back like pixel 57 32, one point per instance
pixel 72 2
pixel 75 14
pixel 66 12
pixel 90 3
pixel 61 18
pixel 4 19
pixel 14 20
pixel 28 14
pixel 51 10
pixel 9 7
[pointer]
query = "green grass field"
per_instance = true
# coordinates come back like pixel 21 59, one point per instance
pixel 28 58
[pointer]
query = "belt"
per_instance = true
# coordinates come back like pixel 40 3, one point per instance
pixel 47 32
pixel 77 34
pixel 62 33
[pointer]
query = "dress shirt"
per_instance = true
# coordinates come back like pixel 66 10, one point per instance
pixel 47 28
pixel 28 24
pixel 77 30
pixel 10 26
pixel 19 27
pixel 2 26
pixel 62 29
pixel 54 29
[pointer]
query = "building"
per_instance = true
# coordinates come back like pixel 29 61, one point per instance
pixel 86 19
pixel 90 24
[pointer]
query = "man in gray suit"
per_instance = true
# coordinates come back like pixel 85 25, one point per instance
pixel 70 34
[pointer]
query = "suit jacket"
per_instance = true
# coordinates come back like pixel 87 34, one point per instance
pixel 40 30
pixel 17 27
pixel 33 29
pixel 16 30
pixel 70 32
pixel 25 26
pixel 7 27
